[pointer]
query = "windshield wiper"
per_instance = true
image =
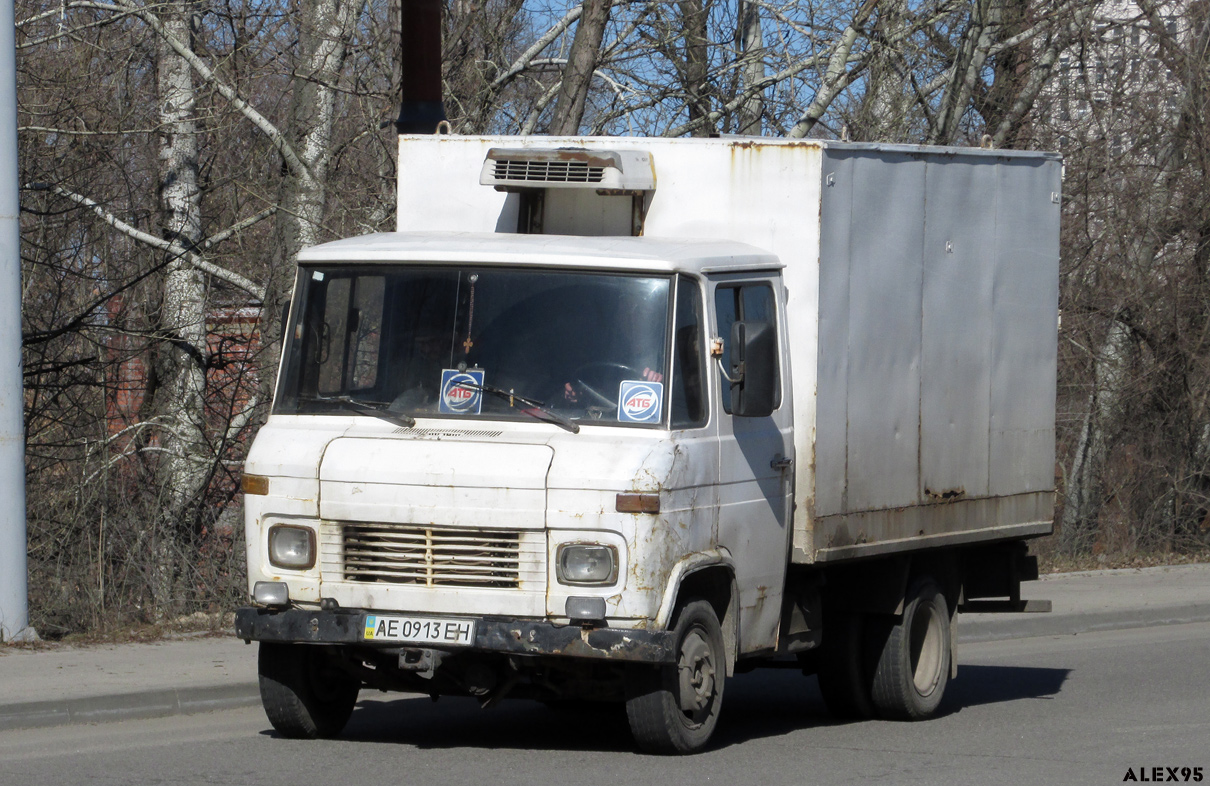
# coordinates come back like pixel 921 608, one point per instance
pixel 551 417
pixel 375 410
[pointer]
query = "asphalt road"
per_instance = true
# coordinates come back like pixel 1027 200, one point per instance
pixel 1091 708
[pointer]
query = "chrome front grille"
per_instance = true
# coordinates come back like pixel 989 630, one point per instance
pixel 427 556
pixel 548 171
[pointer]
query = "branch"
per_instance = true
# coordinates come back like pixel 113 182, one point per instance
pixel 51 368
pixel 1082 10
pixel 1038 77
pixel 276 138
pixel 968 64
pixel 172 247
pixel 838 76
pixel 240 421
pixel 749 91
pixel 236 228
pixel 522 62
pixel 71 31
pixel 540 105
pixel 70 132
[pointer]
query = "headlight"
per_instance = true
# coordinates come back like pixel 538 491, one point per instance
pixel 578 563
pixel 291 547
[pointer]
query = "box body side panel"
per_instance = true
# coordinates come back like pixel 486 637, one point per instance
pixel 938 317
pixel 884 315
pixel 958 316
pixel 1025 332
pixel 832 414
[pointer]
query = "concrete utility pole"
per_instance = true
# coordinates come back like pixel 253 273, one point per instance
pixel 14 602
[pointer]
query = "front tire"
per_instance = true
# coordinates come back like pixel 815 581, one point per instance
pixel 674 709
pixel 914 666
pixel 304 695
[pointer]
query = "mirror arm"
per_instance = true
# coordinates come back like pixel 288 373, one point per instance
pixel 722 370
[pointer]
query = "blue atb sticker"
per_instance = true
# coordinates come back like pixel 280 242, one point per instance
pixel 639 402
pixel 459 400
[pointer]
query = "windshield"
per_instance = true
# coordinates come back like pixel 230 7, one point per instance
pixel 478 342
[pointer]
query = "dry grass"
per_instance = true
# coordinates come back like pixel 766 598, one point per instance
pixel 1057 563
pixel 192 626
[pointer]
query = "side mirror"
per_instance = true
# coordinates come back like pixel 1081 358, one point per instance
pixel 754 369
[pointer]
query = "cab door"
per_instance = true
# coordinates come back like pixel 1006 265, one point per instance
pixel 756 460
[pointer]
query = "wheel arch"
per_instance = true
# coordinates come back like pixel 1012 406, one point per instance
pixel 710 576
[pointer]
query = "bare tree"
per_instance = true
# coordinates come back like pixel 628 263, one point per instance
pixel 1130 108
pixel 581 63
pixel 157 141
pixel 751 46
pixel 144 380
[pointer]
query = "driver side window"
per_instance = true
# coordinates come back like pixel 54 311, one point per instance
pixel 743 303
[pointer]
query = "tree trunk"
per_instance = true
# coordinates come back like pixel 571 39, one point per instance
pixel 581 62
pixel 883 113
pixel 838 75
pixel 697 101
pixel 1084 492
pixel 183 469
pixel 752 48
pixel 965 72
pixel 325 28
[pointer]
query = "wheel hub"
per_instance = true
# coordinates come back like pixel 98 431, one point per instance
pixel 696 671
pixel 927 651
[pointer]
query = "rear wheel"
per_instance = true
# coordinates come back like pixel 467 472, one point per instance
pixel 304 694
pixel 675 708
pixel 914 666
pixel 844 668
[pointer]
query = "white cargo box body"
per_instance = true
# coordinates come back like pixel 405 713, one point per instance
pixel 921 307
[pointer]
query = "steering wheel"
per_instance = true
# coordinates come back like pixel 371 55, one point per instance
pixel 599 368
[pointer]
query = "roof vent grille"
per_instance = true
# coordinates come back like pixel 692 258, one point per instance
pixel 548 171
pixel 607 171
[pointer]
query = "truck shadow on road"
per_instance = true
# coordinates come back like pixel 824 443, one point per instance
pixel 993 684
pixel 762 704
pixel 773 704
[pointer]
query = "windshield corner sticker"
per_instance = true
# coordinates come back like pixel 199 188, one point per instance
pixel 459 400
pixel 639 401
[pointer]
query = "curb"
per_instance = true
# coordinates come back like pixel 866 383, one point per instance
pixel 191 701
pixel 128 706
pixel 1030 625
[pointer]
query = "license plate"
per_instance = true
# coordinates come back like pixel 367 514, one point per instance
pixel 419 630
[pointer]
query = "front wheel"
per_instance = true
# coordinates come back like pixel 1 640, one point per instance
pixel 304 694
pixel 914 666
pixel 674 709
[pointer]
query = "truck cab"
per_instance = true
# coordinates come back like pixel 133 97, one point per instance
pixel 527 434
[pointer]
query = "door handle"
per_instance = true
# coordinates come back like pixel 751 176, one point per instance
pixel 781 462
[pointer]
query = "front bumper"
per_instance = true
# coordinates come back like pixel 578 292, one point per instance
pixel 504 635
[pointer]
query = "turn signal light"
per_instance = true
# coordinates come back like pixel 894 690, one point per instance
pixel 638 503
pixel 254 484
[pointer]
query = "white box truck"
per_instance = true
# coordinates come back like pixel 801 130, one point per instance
pixel 614 418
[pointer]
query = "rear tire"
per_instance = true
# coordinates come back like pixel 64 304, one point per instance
pixel 914 666
pixel 304 695
pixel 845 669
pixel 674 709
